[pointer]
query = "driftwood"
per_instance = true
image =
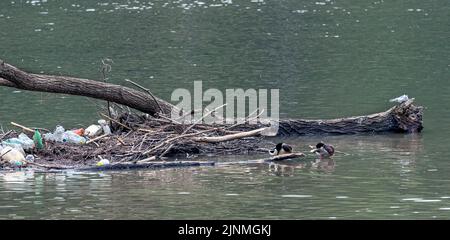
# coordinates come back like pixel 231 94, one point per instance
pixel 401 118
pixel 161 165
pixel 22 127
pixel 142 139
pixel 230 136
pixel 151 165
pixel 264 160
pixel 11 76
pixel 404 118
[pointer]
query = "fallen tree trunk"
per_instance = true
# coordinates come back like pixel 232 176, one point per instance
pixel 405 117
pixel 11 76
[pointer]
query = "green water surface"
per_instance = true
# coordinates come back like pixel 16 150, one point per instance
pixel 329 58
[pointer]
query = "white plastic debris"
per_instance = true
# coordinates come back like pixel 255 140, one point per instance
pixel 93 130
pixel 13 156
pixel 29 158
pixel 56 136
pixel 103 162
pixel 105 127
pixel 23 142
pixel 27 143
pixel 400 99
pixel 61 135
pixel 72 137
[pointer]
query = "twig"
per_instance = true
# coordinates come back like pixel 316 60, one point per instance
pixel 230 136
pixel 23 127
pixel 146 130
pixel 142 142
pixel 121 141
pixel 106 68
pixel 166 151
pixel 42 129
pixel 147 159
pixel 169 119
pixel 201 119
pixel 47 166
pixel 5 153
pixel 175 138
pixel 97 138
pixel 111 119
pixel 247 120
pixel 5 135
pixel 148 91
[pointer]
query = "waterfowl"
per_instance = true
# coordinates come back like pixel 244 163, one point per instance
pixel 323 150
pixel 281 148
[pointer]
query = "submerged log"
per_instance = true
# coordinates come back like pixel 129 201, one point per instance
pixel 150 165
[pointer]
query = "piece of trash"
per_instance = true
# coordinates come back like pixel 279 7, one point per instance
pixel 56 136
pixel 60 135
pixel 13 156
pixel 29 158
pixel 105 127
pixel 22 142
pixel 400 99
pixel 72 137
pixel 79 132
pixel 37 140
pixel 103 162
pixel 93 131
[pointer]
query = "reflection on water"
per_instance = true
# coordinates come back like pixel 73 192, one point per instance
pixel 289 168
pixel 378 177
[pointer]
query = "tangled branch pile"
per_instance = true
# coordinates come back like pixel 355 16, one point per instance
pixel 143 138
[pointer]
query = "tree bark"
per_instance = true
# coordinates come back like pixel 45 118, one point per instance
pixel 405 117
pixel 11 76
pixel 402 118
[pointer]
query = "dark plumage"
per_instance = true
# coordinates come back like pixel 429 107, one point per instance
pixel 324 150
pixel 281 148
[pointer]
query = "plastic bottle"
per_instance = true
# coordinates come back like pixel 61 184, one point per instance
pixel 23 142
pixel 37 139
pixel 59 134
pixel 27 143
pixel 105 127
pixel 72 137
pixel 93 130
pixel 56 136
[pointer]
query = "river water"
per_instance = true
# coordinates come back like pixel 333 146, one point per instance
pixel 329 59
